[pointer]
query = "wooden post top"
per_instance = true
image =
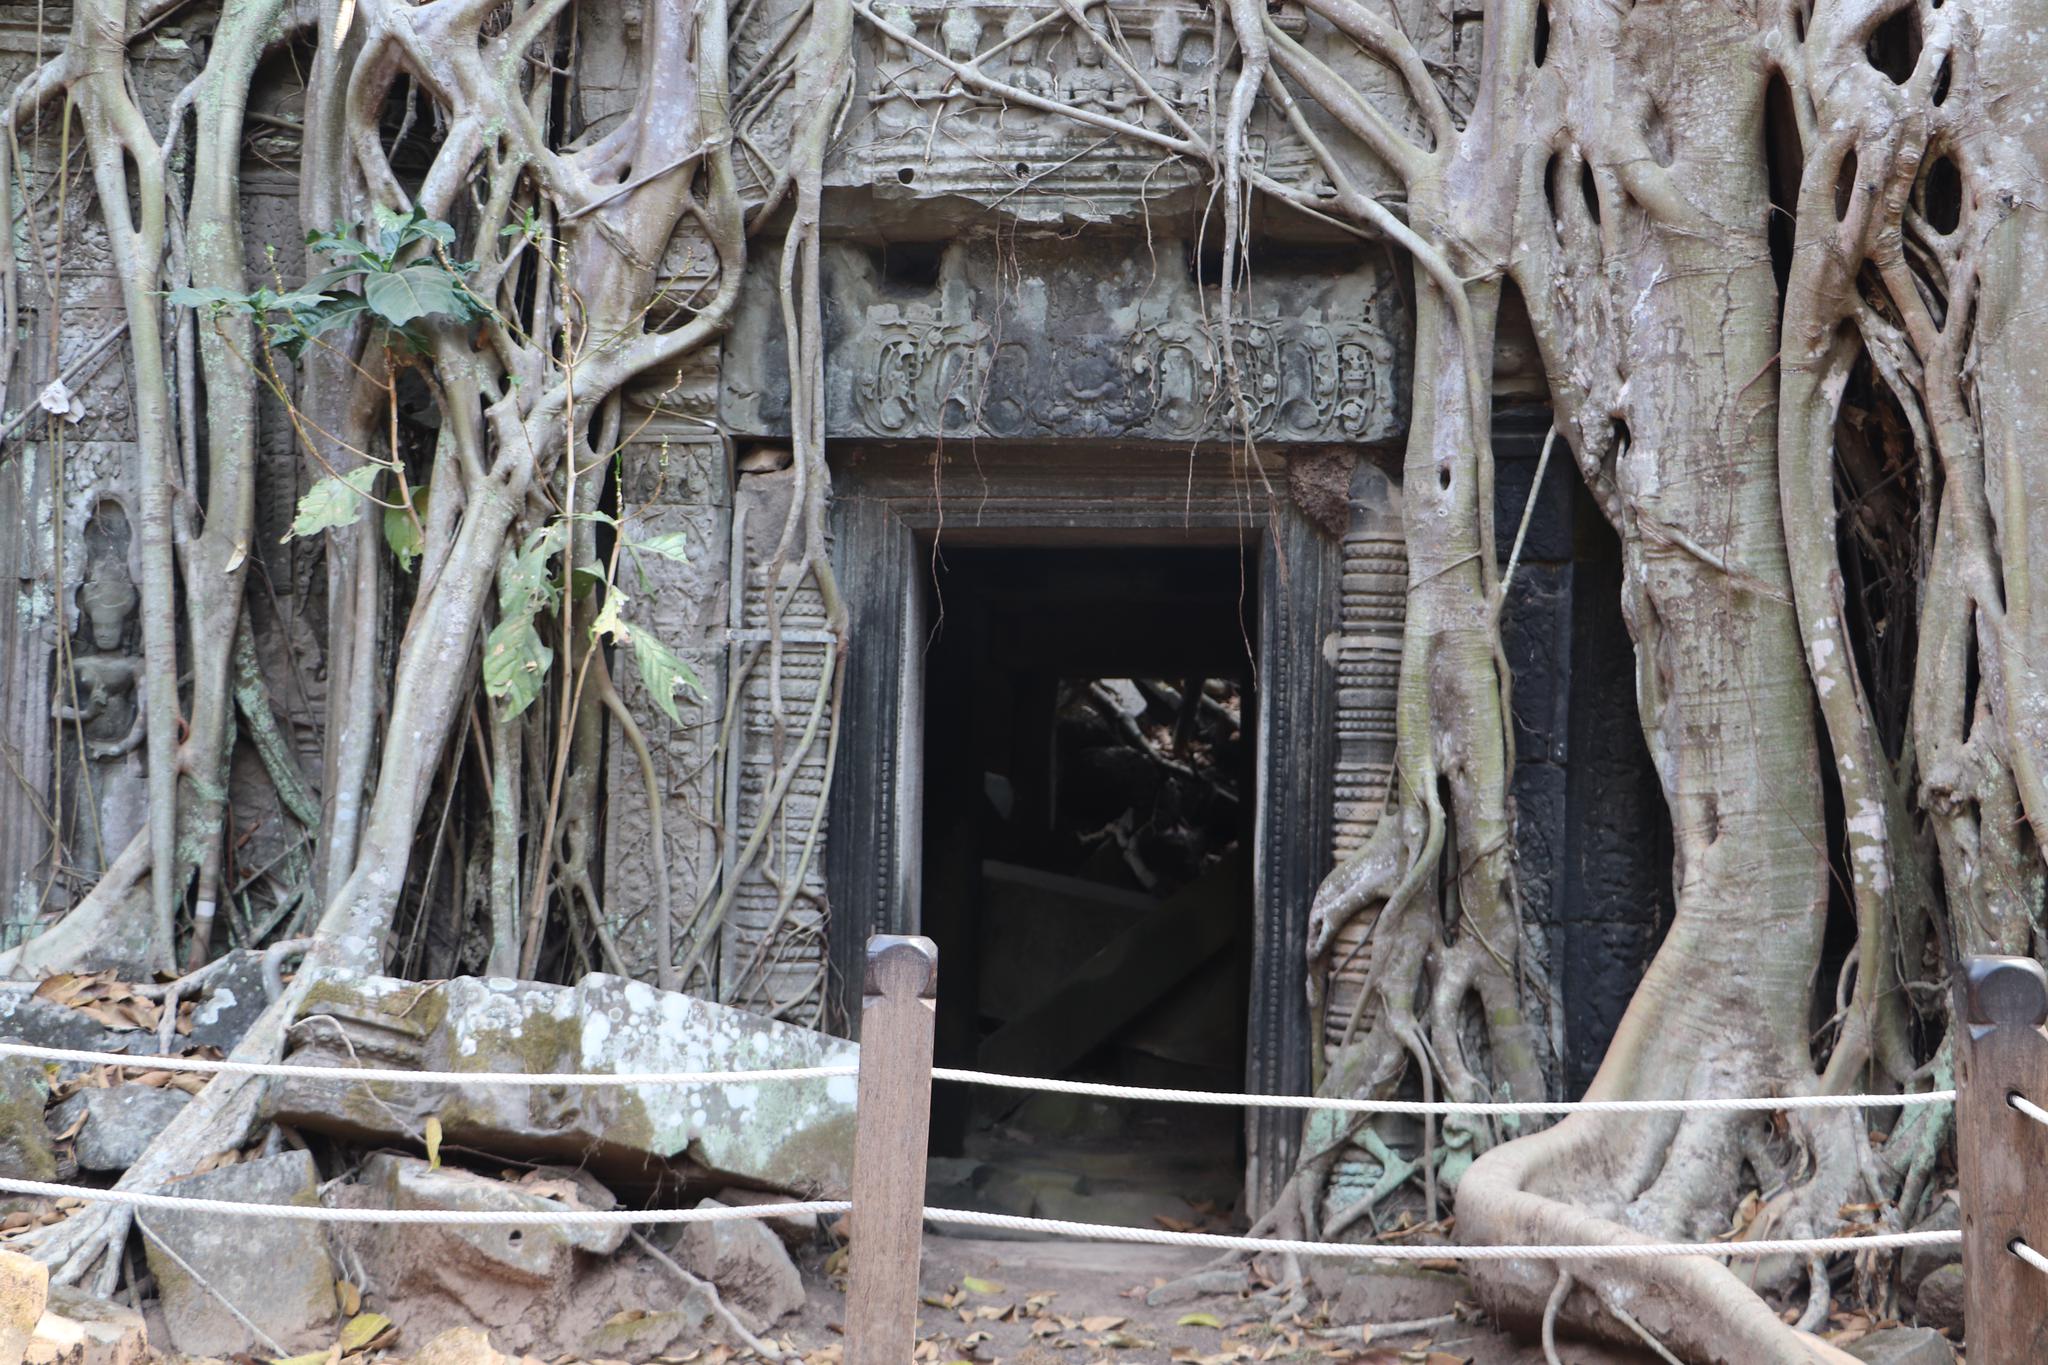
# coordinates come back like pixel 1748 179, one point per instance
pixel 902 965
pixel 2004 992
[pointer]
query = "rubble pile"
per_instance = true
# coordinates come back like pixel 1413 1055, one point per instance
pixel 247 1288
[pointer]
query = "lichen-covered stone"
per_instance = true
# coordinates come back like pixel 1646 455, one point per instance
pixel 233 999
pixel 26 1018
pixel 795 1136
pixel 275 1271
pixel 25 1151
pixel 120 1122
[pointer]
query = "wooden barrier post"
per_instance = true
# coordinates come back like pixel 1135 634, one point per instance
pixel 2002 1157
pixel 897 1019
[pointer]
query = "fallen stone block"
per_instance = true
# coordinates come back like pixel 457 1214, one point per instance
pixel 797 1231
pixel 641 1333
pixel 549 1290
pixel 29 1018
pixel 119 1121
pixel 1939 1300
pixel 791 1136
pixel 465 1262
pixel 24 1289
pixel 1917 1263
pixel 232 998
pixel 746 1262
pixel 226 1282
pixel 26 1152
pixel 1904 1346
pixel 77 1329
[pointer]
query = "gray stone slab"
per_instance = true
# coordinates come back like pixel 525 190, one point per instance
pixel 120 1122
pixel 1904 1346
pixel 794 1136
pixel 274 1272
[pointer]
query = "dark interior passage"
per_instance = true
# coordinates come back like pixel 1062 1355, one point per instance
pixel 1089 786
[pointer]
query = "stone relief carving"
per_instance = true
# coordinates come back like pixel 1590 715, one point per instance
pixel 927 136
pixel 1031 340
pixel 99 702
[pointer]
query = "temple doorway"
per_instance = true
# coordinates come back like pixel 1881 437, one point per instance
pixel 1089 775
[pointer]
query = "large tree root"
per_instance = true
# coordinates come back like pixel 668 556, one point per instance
pixel 1523 1193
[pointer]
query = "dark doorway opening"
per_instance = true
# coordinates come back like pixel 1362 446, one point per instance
pixel 1089 797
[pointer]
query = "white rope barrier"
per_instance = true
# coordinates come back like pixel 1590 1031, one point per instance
pixel 133 1062
pixel 1621 1251
pixel 317 1213
pixel 2030 1256
pixel 1441 1107
pixel 1054 1085
pixel 2028 1107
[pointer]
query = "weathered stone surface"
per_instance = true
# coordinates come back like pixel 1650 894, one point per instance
pixel 549 1291
pixel 26 1018
pixel 77 1329
pixel 747 1263
pixel 24 1287
pixel 275 1272
pixel 797 1231
pixel 460 1346
pixel 1904 1346
pixel 120 1122
pixel 795 1136
pixel 681 483
pixel 534 1256
pixel 1940 1300
pixel 1917 1263
pixel 232 1000
pixel 25 1152
pixel 637 1333
pixel 1090 345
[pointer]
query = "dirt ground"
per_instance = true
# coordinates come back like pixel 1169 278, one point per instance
pixel 1084 1303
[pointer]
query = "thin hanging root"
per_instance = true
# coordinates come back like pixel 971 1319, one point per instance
pixel 1550 1312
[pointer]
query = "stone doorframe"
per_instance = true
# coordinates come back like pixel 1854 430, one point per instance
pixel 889 501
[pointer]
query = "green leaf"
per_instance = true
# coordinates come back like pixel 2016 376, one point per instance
pixel 296 331
pixel 339 244
pixel 423 226
pixel 391 225
pixel 1200 1320
pixel 661 673
pixel 975 1286
pixel 608 623
pixel 212 298
pixel 404 531
pixel 297 301
pixel 334 501
pixel 669 545
pixel 417 291
pixel 333 278
pixel 526 584
pixel 516 663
